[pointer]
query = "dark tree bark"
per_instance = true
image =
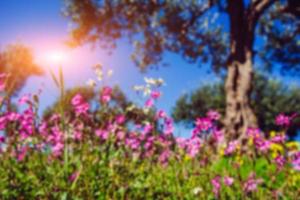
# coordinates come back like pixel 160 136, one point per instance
pixel 239 115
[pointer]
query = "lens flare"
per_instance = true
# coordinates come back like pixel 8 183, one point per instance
pixel 56 57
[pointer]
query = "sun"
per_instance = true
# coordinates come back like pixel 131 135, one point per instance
pixel 56 57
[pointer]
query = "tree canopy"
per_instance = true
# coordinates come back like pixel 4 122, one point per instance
pixel 197 30
pixel 17 61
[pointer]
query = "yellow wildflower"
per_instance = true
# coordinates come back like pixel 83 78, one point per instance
pixel 273 133
pixel 293 146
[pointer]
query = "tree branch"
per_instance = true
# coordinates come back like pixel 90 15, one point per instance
pixel 259 6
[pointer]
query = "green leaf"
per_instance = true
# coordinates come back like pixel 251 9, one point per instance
pixel 54 78
pixel 61 78
pixel 64 196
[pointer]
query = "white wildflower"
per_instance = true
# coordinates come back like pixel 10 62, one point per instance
pixel 160 81
pixel 146 110
pixel 197 190
pixel 130 107
pixel 147 90
pixel 110 73
pixel 138 87
pixel 91 83
pixel 150 81
pixel 99 74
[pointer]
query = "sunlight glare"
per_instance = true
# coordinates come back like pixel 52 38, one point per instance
pixel 56 57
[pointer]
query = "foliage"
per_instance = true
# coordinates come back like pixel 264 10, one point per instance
pixel 87 156
pixel 17 61
pixel 282 30
pixel 269 97
pixel 199 31
pixel 189 106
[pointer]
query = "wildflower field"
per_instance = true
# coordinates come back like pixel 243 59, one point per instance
pixel 215 114
pixel 99 151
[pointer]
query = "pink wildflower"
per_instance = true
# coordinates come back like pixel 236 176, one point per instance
pixel 132 143
pixel 164 157
pixel 253 132
pixel 203 124
pixel 76 100
pixel 218 135
pixel 278 139
pixel 280 161
pixel 213 115
pixel 262 144
pixel 22 153
pixel 77 135
pixel 120 119
pixel 103 134
pixel 296 161
pixel 155 94
pixel 161 114
pixel 231 147
pixel 3 122
pixel 149 144
pixel 251 184
pixel 121 135
pixel 181 142
pixel 282 120
pixel 57 149
pixel 149 103
pixel 228 180
pixel 54 118
pixel 74 176
pixel 193 146
pixel 216 185
pixel 43 129
pixel 105 95
pixel 81 107
pixel 56 135
pixel 169 129
pixel 2 139
pixel 12 116
pixel 24 99
pixel 147 128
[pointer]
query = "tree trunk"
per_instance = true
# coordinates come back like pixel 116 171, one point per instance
pixel 239 115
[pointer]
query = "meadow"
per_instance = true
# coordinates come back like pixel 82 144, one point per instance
pixel 98 150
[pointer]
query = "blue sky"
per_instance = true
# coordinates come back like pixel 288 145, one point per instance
pixel 40 24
